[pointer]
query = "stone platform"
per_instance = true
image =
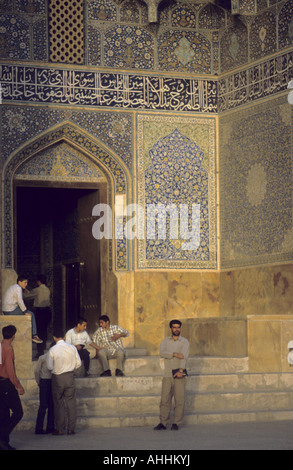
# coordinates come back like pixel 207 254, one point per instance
pixel 219 390
pixel 254 387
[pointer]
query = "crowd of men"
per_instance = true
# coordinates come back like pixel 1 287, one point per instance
pixel 55 370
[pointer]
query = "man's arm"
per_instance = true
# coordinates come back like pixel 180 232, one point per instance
pixel 49 361
pixel 9 363
pixel 19 300
pixel 185 354
pixel 164 353
pixel 94 345
pixel 77 359
pixel 121 333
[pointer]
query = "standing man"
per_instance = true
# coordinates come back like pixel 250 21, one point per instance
pixel 63 359
pixel 175 350
pixel 79 337
pixel 13 304
pixel 108 339
pixel 43 378
pixel 42 309
pixel 10 389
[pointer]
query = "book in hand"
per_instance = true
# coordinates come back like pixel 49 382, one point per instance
pixel 184 373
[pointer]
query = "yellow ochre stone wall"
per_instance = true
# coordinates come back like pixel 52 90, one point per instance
pixel 217 309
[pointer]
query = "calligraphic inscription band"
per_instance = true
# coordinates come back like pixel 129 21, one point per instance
pixel 117 90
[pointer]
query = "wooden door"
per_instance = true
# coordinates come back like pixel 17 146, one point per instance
pixel 90 272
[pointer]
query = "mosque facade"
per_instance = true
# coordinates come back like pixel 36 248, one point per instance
pixel 146 163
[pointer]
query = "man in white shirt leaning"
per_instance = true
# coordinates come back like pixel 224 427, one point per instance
pixel 63 359
pixel 13 304
pixel 79 337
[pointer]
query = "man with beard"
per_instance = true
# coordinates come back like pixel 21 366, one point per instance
pixel 175 350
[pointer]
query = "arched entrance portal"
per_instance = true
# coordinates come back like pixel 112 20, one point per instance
pixel 50 188
pixel 53 237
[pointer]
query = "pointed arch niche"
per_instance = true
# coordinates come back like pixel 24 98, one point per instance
pixel 68 157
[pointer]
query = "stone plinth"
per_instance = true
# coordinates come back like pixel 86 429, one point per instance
pixel 22 344
pixel 268 337
pixel 225 337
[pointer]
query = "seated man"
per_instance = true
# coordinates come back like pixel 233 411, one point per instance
pixel 108 338
pixel 79 337
pixel 13 304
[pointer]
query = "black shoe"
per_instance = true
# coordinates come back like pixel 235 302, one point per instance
pixel 40 431
pixel 160 427
pixel 119 373
pixel 3 445
pixel 50 431
pixel 10 447
pixel 174 427
pixel 106 373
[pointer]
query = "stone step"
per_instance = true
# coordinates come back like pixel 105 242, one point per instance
pixel 217 390
pixel 198 402
pixel 136 409
pixel 154 365
pixel 141 385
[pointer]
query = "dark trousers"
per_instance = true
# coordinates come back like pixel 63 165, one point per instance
pixel 11 411
pixel 46 404
pixel 43 317
pixel 85 357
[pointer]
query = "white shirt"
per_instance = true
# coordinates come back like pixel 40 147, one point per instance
pixel 41 296
pixel 63 357
pixel 77 338
pixel 290 358
pixel 13 299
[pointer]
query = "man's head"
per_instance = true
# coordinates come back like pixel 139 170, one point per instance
pixel 104 321
pixel 81 325
pixel 8 332
pixel 175 326
pixel 58 334
pixel 22 281
pixel 41 279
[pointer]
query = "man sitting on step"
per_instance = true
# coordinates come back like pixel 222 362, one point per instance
pixel 79 337
pixel 108 339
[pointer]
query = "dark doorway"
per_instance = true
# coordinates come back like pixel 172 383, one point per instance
pixel 72 297
pixel 54 237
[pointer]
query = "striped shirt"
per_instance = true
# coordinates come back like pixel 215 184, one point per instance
pixel 102 337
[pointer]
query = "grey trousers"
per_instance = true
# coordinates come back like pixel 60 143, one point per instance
pixel 104 357
pixel 64 397
pixel 172 388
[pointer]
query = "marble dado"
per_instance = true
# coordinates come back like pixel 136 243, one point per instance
pixel 268 337
pixel 215 308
